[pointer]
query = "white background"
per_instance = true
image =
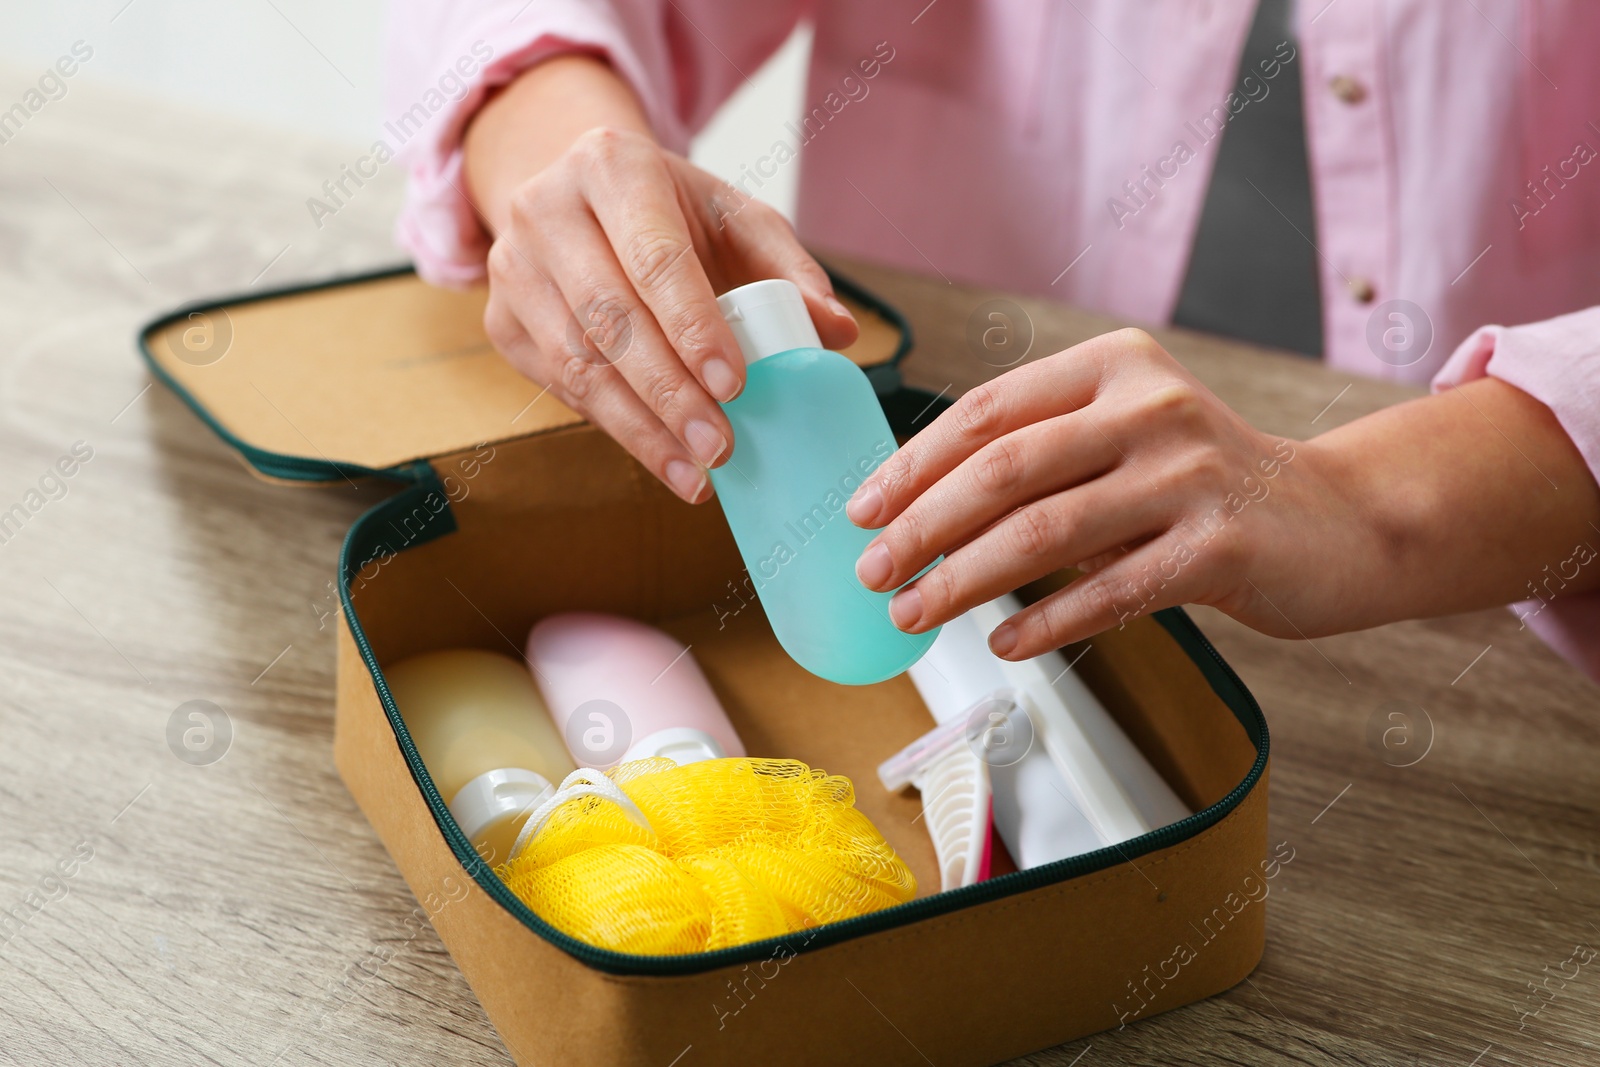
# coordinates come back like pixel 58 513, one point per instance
pixel 313 68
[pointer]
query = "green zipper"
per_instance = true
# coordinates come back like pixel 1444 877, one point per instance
pixel 282 465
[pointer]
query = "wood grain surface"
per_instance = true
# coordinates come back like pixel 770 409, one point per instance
pixel 236 908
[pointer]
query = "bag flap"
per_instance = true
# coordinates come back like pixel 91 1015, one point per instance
pixel 372 373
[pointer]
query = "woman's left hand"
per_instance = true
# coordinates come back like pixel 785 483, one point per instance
pixel 1112 458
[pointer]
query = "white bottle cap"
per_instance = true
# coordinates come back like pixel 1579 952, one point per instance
pixel 767 318
pixel 680 744
pixel 492 807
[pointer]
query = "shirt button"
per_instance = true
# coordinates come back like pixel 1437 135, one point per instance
pixel 1361 289
pixel 1347 89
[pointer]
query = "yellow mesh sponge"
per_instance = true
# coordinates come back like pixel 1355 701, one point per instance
pixel 736 850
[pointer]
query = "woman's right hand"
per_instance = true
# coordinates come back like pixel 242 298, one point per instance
pixel 603 279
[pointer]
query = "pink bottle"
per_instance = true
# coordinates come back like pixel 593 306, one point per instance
pixel 620 690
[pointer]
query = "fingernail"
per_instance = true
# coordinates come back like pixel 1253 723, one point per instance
pixel 836 306
pixel 704 441
pixel 685 478
pixel 1003 640
pixel 720 379
pixel 875 566
pixel 906 608
pixel 865 505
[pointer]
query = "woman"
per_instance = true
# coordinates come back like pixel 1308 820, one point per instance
pixel 1407 164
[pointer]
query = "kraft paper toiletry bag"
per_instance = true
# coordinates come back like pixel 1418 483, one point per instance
pixel 507 507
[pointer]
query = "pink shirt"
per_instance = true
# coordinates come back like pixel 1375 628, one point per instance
pixel 1452 151
pixel 1558 363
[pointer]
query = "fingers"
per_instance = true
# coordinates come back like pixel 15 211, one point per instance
pixel 635 200
pixel 1002 476
pixel 616 232
pixel 1032 541
pixel 594 284
pixel 768 248
pixel 527 320
pixel 1151 577
pixel 1032 393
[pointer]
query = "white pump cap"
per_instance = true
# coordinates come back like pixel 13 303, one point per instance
pixel 767 318
pixel 680 744
pixel 492 807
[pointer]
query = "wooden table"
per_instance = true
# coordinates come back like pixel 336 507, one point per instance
pixel 241 911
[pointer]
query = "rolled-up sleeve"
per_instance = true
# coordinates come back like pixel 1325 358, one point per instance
pixel 443 59
pixel 1557 362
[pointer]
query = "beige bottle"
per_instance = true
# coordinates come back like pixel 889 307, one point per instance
pixel 486 738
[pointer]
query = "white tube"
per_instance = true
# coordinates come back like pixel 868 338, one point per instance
pixel 1032 803
pixel 1092 788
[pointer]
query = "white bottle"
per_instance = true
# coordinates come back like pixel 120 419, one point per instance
pixel 1080 784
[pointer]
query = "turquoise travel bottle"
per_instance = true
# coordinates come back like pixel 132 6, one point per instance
pixel 806 430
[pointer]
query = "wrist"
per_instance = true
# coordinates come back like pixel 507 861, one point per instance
pixel 1375 541
pixel 531 122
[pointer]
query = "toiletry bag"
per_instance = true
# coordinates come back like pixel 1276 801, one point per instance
pixel 507 507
